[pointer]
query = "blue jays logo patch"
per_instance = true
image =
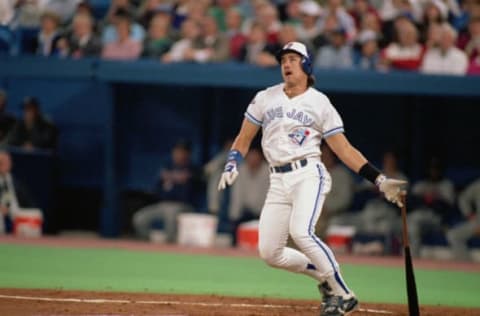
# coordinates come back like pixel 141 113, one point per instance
pixel 299 135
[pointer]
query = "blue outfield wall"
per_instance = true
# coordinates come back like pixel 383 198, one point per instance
pixel 118 120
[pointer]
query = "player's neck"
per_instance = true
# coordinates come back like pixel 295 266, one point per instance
pixel 293 90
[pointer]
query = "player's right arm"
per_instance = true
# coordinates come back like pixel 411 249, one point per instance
pixel 239 149
pixel 247 133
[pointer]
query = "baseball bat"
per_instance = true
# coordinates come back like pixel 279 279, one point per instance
pixel 409 274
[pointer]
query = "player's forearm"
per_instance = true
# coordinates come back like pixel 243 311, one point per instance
pixel 242 144
pixel 353 159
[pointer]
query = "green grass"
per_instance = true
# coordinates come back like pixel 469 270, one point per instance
pixel 134 271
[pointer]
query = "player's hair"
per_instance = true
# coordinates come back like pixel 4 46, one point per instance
pixel 311 81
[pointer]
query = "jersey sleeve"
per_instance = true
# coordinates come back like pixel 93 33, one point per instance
pixel 254 111
pixel 332 123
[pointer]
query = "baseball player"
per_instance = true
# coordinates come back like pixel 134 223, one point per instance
pixel 295 117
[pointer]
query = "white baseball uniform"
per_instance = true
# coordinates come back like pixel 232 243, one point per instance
pixel 293 129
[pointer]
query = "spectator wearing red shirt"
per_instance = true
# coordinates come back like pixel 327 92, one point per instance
pixel 406 52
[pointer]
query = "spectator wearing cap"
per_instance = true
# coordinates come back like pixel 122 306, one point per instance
pixel 337 54
pixel 82 42
pixel 158 41
pixel 7 121
pixel 406 53
pixel 49 35
pixel 367 53
pixel 308 29
pixel 34 131
pixel 445 58
pixel 125 47
pixel 175 192
pixel 237 39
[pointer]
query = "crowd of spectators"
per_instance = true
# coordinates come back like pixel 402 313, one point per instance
pixel 428 36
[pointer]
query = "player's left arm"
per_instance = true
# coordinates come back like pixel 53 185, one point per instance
pixel 354 159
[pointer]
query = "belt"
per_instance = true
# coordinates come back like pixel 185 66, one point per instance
pixel 289 166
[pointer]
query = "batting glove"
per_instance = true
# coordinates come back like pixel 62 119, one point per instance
pixel 230 172
pixel 392 189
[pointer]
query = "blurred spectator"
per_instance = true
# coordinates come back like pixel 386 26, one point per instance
pixel 149 9
pixel 116 6
pixel 445 58
pixel 233 20
pixel 110 34
pixel 49 35
pixel 175 192
pixel 340 198
pixel 63 9
pixel 249 191
pixel 392 10
pixel 13 195
pixel 180 50
pixel 435 12
pixel 82 42
pixel 293 14
pixel 469 204
pixel 337 54
pixel 213 170
pixel 213 45
pixel 471 42
pixel 308 30
pixel 256 45
pixel 27 13
pixel 367 54
pixel 379 217
pixel 265 15
pixel 345 20
pixel 198 10
pixel 432 200
pixel 125 47
pixel 35 131
pixel 474 66
pixel 219 11
pixel 7 121
pixel 158 41
pixel 7 11
pixel 406 53
pixel 267 57
pixel 360 9
pixel 370 22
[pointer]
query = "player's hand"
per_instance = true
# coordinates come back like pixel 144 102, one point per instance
pixel 230 172
pixel 393 189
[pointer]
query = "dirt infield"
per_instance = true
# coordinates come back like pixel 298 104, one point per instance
pixel 27 302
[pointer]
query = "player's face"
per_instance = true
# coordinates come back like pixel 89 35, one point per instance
pixel 292 72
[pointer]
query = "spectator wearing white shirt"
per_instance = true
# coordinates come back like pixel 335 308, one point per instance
pixel 445 58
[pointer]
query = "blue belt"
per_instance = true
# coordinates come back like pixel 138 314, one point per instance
pixel 289 166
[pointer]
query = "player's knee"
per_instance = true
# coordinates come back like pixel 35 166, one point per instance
pixel 300 237
pixel 270 255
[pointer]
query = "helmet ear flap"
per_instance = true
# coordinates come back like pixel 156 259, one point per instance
pixel 307 65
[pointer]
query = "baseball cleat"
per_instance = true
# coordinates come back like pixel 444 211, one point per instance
pixel 349 304
pixel 333 306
